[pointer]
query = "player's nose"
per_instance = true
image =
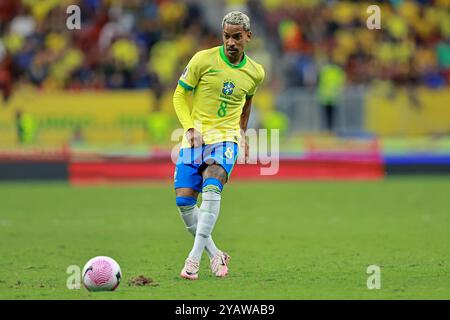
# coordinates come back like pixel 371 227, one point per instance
pixel 231 44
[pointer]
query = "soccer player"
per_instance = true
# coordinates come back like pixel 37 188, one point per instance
pixel 223 81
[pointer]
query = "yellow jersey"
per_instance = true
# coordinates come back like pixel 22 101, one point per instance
pixel 220 90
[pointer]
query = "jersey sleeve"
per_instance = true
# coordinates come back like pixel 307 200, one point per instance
pixel 258 81
pixel 192 73
pixel 182 108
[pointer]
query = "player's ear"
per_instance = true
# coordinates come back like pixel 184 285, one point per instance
pixel 249 36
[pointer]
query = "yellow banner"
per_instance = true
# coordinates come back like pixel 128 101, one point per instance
pixel 62 117
pixel 408 112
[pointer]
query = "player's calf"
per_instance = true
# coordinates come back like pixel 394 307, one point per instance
pixel 189 211
pixel 209 212
pixel 187 208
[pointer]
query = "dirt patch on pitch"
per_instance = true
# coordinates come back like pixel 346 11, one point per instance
pixel 141 281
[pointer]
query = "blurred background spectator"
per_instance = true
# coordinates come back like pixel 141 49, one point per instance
pixel 139 44
pixel 145 44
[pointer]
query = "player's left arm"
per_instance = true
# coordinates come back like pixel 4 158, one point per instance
pixel 245 115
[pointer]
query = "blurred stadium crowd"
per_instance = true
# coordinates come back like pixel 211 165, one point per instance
pixel 137 44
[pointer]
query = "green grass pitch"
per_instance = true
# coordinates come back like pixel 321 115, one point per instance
pixel 299 240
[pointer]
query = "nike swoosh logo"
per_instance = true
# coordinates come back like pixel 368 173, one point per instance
pixel 214 70
pixel 88 269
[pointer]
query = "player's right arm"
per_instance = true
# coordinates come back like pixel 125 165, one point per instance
pixel 187 82
pixel 184 116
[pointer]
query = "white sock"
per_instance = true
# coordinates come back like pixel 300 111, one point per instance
pixel 209 212
pixel 189 215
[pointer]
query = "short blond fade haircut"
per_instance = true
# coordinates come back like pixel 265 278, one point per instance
pixel 237 18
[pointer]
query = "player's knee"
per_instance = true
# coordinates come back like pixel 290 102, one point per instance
pixel 215 171
pixel 212 185
pixel 185 202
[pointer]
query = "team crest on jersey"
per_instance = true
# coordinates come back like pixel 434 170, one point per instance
pixel 228 87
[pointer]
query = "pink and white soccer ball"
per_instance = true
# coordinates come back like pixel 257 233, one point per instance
pixel 101 274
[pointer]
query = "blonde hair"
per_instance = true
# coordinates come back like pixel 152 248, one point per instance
pixel 237 18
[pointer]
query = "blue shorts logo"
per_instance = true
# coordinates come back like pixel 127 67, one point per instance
pixel 229 153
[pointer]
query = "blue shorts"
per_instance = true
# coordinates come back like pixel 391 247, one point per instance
pixel 192 161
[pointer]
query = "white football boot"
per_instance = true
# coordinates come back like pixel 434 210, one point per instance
pixel 219 264
pixel 190 269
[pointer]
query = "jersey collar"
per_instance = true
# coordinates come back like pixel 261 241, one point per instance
pixel 225 59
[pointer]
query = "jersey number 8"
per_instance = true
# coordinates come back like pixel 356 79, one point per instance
pixel 222 112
